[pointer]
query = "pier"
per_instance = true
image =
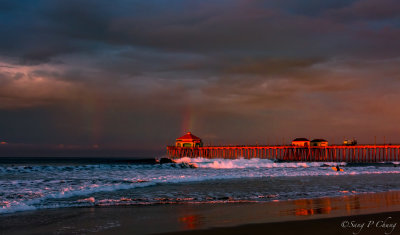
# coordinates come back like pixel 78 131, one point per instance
pixel 301 149
pixel 334 153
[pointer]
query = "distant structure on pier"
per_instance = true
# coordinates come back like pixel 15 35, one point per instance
pixel 319 143
pixel 301 142
pixel 188 141
pixel 350 142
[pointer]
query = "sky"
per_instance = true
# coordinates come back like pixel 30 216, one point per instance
pixel 135 75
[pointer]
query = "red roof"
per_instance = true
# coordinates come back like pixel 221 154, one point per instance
pixel 189 136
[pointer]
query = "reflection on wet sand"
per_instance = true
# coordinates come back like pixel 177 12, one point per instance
pixel 190 221
pixel 350 203
pixel 199 216
pixel 306 207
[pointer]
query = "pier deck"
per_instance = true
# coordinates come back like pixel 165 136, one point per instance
pixel 334 153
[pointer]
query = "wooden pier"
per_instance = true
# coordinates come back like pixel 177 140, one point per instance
pixel 334 153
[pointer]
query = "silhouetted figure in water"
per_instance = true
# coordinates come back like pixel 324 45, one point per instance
pixel 337 168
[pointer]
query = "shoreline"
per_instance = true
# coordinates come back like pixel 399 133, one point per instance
pixel 205 218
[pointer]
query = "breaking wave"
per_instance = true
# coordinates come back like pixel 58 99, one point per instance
pixel 251 163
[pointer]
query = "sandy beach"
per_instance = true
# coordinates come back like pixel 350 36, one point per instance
pixel 376 213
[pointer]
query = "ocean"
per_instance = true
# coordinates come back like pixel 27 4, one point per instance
pixel 28 184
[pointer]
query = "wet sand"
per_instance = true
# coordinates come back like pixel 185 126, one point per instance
pixel 382 223
pixel 311 216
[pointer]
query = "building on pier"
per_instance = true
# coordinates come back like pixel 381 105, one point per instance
pixel 189 141
pixel 319 143
pixel 301 142
pixel 349 142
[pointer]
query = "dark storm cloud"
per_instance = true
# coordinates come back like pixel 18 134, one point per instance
pixel 367 10
pixel 45 29
pixel 118 71
pixel 36 32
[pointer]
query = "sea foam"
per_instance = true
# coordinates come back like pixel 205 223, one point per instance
pixel 251 163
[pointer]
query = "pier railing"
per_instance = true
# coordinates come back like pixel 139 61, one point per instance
pixel 356 154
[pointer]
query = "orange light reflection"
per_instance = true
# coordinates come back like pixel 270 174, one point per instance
pixel 190 221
